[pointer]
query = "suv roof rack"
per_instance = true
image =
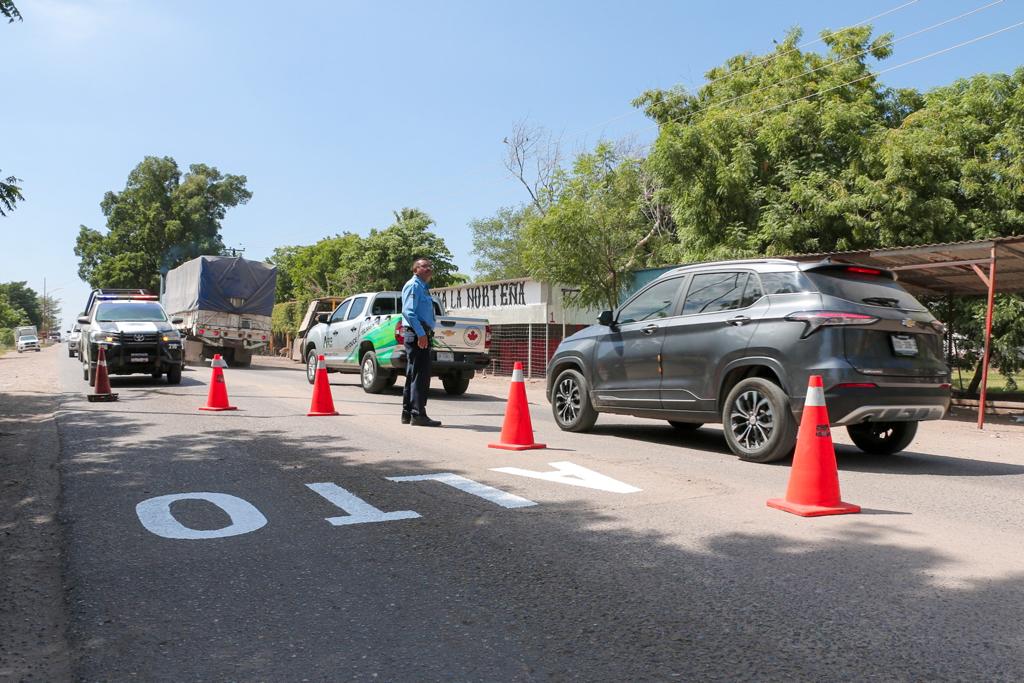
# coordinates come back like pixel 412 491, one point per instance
pixel 733 262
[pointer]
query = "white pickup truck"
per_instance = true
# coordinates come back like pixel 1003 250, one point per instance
pixel 364 335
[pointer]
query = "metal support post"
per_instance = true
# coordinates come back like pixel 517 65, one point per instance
pixel 986 357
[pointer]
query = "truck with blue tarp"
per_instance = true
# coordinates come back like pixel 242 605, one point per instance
pixel 225 303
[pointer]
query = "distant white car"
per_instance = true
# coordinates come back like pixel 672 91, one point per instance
pixel 73 336
pixel 28 343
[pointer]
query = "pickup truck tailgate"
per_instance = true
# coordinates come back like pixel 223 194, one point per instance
pixel 461 334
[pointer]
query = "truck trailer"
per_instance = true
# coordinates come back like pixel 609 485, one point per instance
pixel 225 303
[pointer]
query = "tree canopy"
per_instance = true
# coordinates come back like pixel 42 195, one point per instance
pixel 161 219
pixel 348 263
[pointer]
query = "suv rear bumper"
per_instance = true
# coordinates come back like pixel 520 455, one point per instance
pixel 887 403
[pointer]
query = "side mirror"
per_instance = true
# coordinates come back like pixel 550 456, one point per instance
pixel 177 321
pixel 607 318
pixel 83 320
pixel 321 317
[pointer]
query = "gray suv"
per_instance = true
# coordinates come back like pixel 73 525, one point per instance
pixel 734 342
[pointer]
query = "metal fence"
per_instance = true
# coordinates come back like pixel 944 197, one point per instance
pixel 533 345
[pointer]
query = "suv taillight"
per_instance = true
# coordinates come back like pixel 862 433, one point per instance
pixel 816 319
pixel 487 336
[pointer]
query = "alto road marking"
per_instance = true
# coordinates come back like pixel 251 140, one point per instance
pixel 155 515
pixel 359 511
pixel 573 475
pixel 475 488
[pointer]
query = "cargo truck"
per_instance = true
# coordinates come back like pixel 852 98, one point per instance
pixel 225 303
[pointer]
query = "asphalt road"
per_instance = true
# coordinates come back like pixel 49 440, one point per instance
pixel 689 577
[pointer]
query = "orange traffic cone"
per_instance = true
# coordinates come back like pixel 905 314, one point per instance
pixel 323 403
pixel 517 431
pixel 218 396
pixel 102 392
pixel 814 479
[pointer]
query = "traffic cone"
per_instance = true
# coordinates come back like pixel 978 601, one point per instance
pixel 102 392
pixel 217 399
pixel 517 431
pixel 323 403
pixel 814 479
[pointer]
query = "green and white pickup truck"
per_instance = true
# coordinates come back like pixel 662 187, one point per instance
pixel 364 335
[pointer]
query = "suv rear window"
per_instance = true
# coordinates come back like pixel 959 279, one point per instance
pixel 790 282
pixel 864 288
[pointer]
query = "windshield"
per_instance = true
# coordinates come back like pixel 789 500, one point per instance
pixel 864 288
pixel 130 313
pixel 29 338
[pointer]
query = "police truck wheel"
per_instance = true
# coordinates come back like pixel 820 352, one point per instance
pixel 570 402
pixel 311 366
pixel 882 438
pixel 156 374
pixel 758 422
pixel 373 379
pixel 174 374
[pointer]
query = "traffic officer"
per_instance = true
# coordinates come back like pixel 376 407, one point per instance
pixel 418 312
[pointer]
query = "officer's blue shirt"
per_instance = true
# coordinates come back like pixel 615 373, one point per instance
pixel 417 306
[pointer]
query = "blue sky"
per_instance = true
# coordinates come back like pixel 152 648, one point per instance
pixel 340 112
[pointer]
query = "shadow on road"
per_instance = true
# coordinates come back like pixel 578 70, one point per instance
pixel 559 591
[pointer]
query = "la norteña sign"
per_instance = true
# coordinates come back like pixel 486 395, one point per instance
pixel 510 302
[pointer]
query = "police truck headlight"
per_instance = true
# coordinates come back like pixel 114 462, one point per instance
pixel 171 336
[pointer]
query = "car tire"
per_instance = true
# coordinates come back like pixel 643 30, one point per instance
pixel 758 422
pixel 373 379
pixel 882 438
pixel 457 384
pixel 311 357
pixel 392 378
pixel 156 374
pixel 85 370
pixel 686 427
pixel 90 374
pixel 174 374
pixel 570 402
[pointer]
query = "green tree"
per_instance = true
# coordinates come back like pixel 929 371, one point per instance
pixel 10 194
pixel 386 256
pixel 321 269
pixel 598 229
pixel 161 219
pixel 24 300
pixel 498 244
pixel 9 11
pixel 49 314
pixel 771 155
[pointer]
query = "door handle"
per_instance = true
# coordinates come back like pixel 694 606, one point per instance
pixel 352 329
pixel 738 320
pixel 649 330
pixel 335 333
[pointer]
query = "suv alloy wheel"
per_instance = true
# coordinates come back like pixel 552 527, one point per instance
pixel 758 423
pixel 570 402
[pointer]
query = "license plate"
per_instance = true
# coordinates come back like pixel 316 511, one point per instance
pixel 445 356
pixel 140 358
pixel 904 345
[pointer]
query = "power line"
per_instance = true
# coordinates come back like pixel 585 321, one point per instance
pixel 855 56
pixel 762 62
pixel 891 68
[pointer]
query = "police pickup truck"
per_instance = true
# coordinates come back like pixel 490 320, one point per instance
pixel 135 332
pixel 364 335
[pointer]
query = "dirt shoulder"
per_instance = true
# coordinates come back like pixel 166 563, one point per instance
pixel 33 613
